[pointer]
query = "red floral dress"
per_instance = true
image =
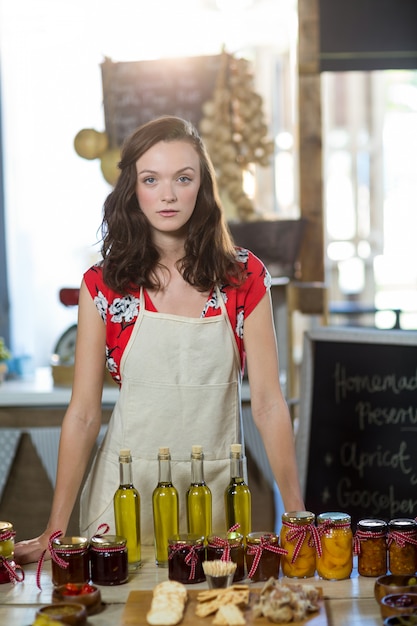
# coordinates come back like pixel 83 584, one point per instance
pixel 119 312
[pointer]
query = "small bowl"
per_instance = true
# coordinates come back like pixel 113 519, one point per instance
pixel 401 620
pixel 73 593
pixel 65 612
pixel 390 583
pixel 398 604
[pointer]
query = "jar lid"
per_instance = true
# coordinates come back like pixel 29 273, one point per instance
pixel 256 537
pixel 186 540
pixel 372 525
pixel 232 537
pixel 5 526
pixel 108 541
pixel 70 543
pixel 336 517
pixel 298 517
pixel 403 524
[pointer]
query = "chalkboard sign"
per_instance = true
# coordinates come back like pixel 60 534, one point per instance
pixel 368 35
pixel 135 92
pixel 357 437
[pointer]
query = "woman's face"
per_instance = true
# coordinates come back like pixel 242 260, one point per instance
pixel 168 180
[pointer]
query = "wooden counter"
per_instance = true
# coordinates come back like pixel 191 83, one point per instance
pixel 348 602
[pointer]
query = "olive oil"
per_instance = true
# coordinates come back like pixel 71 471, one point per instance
pixel 237 496
pixel 198 497
pixel 126 503
pixel 165 509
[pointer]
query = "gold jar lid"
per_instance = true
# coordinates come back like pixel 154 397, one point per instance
pixel 298 517
pixel 233 537
pixel 256 538
pixel 6 527
pixel 108 541
pixel 335 517
pixel 186 540
pixel 70 543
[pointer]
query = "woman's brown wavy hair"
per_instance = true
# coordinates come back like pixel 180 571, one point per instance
pixel 129 256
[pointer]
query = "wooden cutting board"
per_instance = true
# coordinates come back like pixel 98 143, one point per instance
pixel 139 602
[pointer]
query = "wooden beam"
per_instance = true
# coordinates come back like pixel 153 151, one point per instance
pixel 310 142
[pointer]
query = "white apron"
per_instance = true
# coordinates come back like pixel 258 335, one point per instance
pixel 180 386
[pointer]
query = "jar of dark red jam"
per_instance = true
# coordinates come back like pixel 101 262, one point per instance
pixel 186 554
pixel 263 556
pixel 228 547
pixel 402 546
pixel 371 547
pixel 108 560
pixel 73 551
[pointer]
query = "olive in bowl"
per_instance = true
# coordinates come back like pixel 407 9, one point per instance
pixel 398 604
pixel 390 583
pixel 79 593
pixel 65 612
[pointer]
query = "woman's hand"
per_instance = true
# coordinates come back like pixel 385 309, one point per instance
pixel 31 550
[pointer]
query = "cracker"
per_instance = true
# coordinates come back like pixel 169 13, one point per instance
pixel 229 615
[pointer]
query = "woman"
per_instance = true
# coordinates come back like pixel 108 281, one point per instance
pixel 174 308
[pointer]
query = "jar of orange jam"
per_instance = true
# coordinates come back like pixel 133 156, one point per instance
pixel 299 537
pixel 335 557
pixel 370 544
pixel 402 547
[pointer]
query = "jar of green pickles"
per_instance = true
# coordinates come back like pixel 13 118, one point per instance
pixel 9 571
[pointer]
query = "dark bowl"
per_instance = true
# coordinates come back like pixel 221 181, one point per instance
pixel 65 612
pixel 401 620
pixel 73 593
pixel 390 583
pixel 398 604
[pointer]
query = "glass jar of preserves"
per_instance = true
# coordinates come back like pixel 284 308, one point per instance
pixel 70 560
pixel 228 547
pixel 402 547
pixel 9 571
pixel 299 537
pixel 370 545
pixel 186 554
pixel 263 555
pixel 108 560
pixel 335 556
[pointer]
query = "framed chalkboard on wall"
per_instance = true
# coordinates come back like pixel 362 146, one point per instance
pixel 357 437
pixel 135 92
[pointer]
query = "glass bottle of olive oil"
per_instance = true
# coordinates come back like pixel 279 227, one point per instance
pixel 237 497
pixel 198 497
pixel 126 502
pixel 165 508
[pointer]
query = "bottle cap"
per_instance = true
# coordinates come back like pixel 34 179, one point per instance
pixel 196 449
pixel 163 450
pixel 236 448
pixel 125 453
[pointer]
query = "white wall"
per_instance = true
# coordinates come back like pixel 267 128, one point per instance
pixel 51 52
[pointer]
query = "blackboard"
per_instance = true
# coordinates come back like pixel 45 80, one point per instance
pixel 357 436
pixel 135 92
pixel 368 35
